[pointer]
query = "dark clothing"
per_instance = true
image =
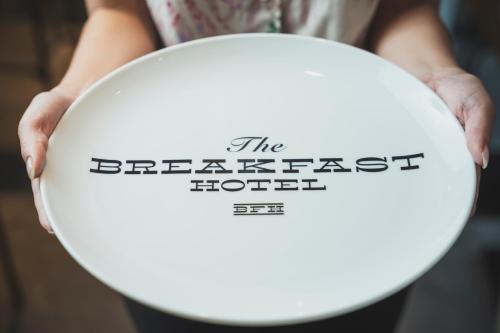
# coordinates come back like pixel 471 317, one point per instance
pixel 381 317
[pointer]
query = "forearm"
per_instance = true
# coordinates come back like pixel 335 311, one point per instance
pixel 411 35
pixel 111 37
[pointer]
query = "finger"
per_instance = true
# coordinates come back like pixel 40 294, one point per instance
pixel 33 149
pixel 476 196
pixel 36 125
pixel 478 116
pixel 42 215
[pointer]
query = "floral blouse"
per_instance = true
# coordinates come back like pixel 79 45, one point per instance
pixel 342 20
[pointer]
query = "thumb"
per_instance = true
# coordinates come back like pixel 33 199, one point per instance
pixel 33 148
pixel 35 127
pixel 479 113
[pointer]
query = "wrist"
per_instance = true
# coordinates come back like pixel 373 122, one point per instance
pixel 65 94
pixel 437 72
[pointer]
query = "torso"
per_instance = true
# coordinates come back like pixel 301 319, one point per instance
pixel 342 20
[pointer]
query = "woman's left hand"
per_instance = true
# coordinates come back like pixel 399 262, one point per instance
pixel 467 98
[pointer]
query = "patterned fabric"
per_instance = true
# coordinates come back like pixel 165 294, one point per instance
pixel 341 20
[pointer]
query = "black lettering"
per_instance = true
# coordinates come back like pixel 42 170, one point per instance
pixel 333 163
pixel 258 182
pixel 256 165
pixel 275 208
pixel 408 166
pixel 310 187
pixel 214 164
pixel 242 143
pixel 199 185
pixel 285 184
pixel 292 163
pixel 278 147
pixel 256 208
pixel 371 164
pixel 172 164
pixel 226 185
pixel 146 165
pixel 262 145
pixel 239 209
pixel 106 166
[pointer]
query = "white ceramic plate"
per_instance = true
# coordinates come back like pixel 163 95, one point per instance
pixel 384 187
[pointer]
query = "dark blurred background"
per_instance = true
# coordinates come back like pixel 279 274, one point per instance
pixel 43 290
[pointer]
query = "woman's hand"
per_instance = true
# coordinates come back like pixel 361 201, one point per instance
pixel 410 34
pixel 467 98
pixel 115 33
pixel 35 128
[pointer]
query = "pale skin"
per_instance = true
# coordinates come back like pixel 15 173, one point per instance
pixel 407 33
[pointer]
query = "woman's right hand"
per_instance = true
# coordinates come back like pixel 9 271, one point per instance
pixel 120 30
pixel 36 126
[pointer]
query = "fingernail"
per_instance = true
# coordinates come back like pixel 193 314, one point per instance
pixel 486 157
pixel 29 167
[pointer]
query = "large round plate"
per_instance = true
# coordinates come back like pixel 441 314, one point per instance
pixel 381 182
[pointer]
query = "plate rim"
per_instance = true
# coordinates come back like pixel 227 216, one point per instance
pixel 234 320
